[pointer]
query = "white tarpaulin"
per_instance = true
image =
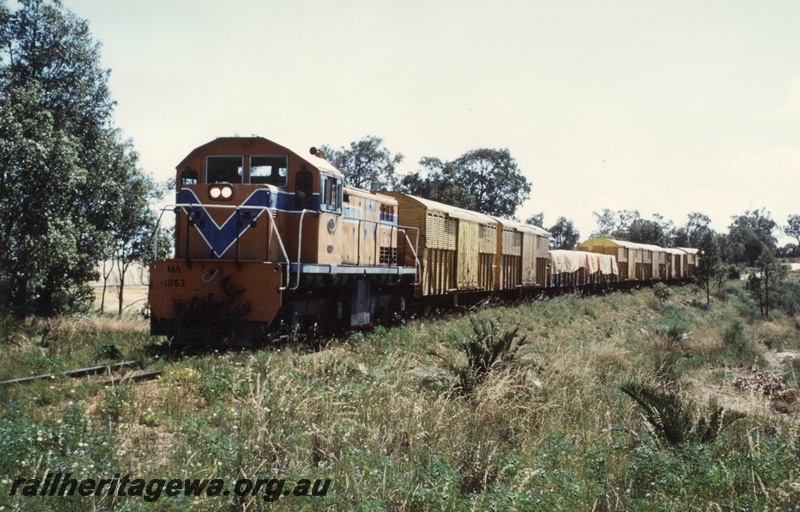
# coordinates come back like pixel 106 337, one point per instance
pixel 607 264
pixel 567 262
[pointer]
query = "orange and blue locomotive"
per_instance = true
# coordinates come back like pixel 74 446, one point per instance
pixel 266 236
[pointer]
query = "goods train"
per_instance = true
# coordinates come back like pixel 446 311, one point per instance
pixel 268 237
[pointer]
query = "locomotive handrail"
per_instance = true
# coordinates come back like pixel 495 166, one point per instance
pixel 299 248
pixel 418 273
pixel 378 223
pixel 288 286
pixel 153 237
pixel 175 206
pixel 400 229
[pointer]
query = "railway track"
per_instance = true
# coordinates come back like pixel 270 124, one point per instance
pixel 92 370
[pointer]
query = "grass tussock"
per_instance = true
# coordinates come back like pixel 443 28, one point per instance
pixel 522 407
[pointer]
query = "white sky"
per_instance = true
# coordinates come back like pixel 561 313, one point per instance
pixel 663 107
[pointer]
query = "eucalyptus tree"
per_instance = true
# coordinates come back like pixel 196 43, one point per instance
pixel 366 163
pixel 537 219
pixel 710 266
pixel 484 180
pixel 62 180
pixel 564 235
pixel 749 235
pixel 792 229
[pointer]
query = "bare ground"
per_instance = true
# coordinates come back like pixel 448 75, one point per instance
pixel 748 390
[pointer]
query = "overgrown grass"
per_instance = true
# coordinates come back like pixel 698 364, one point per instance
pixel 548 429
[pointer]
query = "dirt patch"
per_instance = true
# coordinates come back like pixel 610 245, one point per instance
pixel 748 390
pixel 780 360
pixel 706 388
pixel 144 447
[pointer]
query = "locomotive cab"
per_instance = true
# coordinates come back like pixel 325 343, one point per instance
pixel 245 177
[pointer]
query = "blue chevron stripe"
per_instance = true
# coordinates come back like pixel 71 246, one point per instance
pixel 220 239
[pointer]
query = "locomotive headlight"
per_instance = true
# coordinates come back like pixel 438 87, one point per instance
pixel 220 192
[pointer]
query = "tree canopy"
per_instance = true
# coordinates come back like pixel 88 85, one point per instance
pixel 629 225
pixel 366 163
pixel 792 229
pixel 63 166
pixel 749 235
pixel 484 180
pixel 563 235
pixel 691 234
pixel 537 219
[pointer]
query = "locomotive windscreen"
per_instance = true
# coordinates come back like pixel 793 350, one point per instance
pixel 272 170
pixel 224 169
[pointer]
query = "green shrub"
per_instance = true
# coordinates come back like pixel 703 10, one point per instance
pixel 792 374
pixel 737 347
pixel 787 297
pixel 675 330
pixel 661 292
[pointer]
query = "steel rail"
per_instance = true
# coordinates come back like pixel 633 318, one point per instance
pixel 69 373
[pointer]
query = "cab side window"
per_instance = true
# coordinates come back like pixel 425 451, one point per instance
pixel 189 176
pixel 331 194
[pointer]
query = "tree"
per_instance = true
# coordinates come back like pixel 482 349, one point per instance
pixel 134 226
pixel 645 231
pixel 696 228
pixel 537 219
pixel 788 251
pixel 630 226
pixel 615 225
pixel 667 228
pixel 709 267
pixel 749 235
pixel 437 185
pixel 689 235
pixel 764 279
pixel 793 227
pixel 563 235
pixel 606 223
pixel 40 259
pixel 60 184
pixel 484 180
pixel 366 164
pixel 626 220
